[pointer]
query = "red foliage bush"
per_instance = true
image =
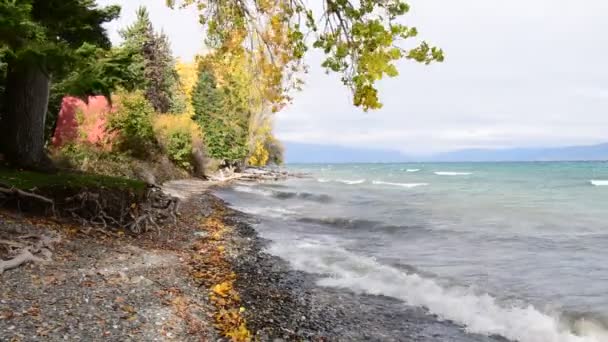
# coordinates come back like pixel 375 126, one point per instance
pixel 83 122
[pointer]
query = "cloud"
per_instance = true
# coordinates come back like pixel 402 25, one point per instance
pixel 517 73
pixel 181 25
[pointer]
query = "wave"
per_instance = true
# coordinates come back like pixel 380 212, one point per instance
pixel 478 313
pixel 343 181
pixel 412 170
pixel 403 185
pixel 302 195
pixel 339 222
pixel 273 212
pixel 351 182
pixel 284 194
pixel 252 190
pixel 357 224
pixel 599 182
pixel 449 173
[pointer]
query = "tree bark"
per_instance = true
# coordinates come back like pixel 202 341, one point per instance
pixel 22 123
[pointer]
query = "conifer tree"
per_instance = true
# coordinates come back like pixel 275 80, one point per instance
pixel 154 63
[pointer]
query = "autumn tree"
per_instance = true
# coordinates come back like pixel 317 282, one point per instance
pixel 188 77
pixel 362 40
pixel 40 39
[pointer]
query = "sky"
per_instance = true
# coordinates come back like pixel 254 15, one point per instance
pixel 518 73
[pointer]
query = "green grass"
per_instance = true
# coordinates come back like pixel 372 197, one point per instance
pixel 26 180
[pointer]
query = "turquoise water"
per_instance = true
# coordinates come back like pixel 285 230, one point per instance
pixel 511 249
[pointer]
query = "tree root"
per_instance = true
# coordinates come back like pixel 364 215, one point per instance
pixel 17 194
pixel 107 209
pixel 23 258
pixel 92 209
pixel 158 208
pixel 39 251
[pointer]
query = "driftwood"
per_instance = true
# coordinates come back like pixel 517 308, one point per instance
pixel 253 175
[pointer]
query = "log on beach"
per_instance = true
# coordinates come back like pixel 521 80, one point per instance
pixel 256 174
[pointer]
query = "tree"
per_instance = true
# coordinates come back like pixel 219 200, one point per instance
pixel 95 71
pixel 40 39
pixel 221 117
pixel 188 77
pixel 362 40
pixel 154 63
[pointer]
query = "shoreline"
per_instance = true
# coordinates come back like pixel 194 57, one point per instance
pixel 207 276
pixel 287 304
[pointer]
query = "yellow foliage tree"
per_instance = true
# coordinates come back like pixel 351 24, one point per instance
pixel 361 40
pixel 188 74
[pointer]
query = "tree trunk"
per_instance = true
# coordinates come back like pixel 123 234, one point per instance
pixel 22 122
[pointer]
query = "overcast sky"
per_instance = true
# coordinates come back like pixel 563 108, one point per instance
pixel 526 73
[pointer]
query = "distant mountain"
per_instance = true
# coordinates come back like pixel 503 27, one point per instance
pixel 308 153
pixel 573 153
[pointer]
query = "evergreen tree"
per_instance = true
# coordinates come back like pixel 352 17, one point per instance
pixel 155 65
pixel 224 126
pixel 41 39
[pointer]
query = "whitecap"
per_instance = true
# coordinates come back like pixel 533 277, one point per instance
pixel 403 185
pixel 450 173
pixel 323 180
pixel 273 212
pixel 599 182
pixel 351 182
pixel 478 312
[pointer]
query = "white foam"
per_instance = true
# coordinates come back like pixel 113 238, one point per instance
pixel 412 170
pixel 323 180
pixel 251 190
pixel 478 313
pixel 274 212
pixel 351 182
pixel 599 182
pixel 449 173
pixel 403 185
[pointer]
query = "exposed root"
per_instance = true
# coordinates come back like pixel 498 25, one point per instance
pixel 26 251
pixel 158 208
pixel 12 192
pixel 93 209
pixel 23 258
pixel 105 209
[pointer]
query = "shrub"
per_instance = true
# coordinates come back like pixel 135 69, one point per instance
pixel 179 149
pixel 90 158
pixel 177 136
pixel 133 123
